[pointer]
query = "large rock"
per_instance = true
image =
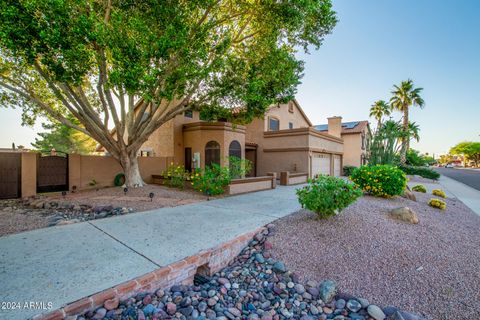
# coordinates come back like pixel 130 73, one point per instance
pixel 328 290
pixel 404 214
pixel 375 312
pixel 407 193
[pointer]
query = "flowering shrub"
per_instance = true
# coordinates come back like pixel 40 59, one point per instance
pixel 419 188
pixel 212 180
pixel 327 195
pixel 439 193
pixel 239 167
pixel 380 180
pixel 175 176
pixel 348 170
pixel 437 203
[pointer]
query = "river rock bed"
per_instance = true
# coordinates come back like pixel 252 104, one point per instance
pixel 61 212
pixel 253 286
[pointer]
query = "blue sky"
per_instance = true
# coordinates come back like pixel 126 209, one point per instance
pixel 378 43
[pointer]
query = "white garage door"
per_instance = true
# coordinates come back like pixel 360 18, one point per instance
pixel 337 164
pixel 320 164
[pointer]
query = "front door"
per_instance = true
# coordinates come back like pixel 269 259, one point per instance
pixel 251 155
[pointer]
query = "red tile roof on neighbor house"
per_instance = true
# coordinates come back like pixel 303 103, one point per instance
pixel 347 127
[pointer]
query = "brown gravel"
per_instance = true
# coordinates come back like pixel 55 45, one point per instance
pixel 16 221
pixel 24 219
pixel 432 269
pixel 137 199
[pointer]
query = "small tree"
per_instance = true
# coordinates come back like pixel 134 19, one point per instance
pixel 64 138
pixel 132 66
pixel 470 151
pixel 379 109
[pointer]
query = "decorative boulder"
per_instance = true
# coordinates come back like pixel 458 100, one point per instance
pixel 407 193
pixel 327 290
pixel 404 214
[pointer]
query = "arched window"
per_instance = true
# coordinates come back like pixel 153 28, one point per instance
pixel 235 149
pixel 212 153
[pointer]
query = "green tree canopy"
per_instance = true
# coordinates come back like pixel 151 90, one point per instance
pixel 138 64
pixel 64 138
pixel 470 150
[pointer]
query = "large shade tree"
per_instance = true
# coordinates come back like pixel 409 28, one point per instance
pixel 469 150
pixel 131 66
pixel 405 96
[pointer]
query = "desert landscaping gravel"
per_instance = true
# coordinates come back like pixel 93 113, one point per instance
pixel 431 268
pixel 17 215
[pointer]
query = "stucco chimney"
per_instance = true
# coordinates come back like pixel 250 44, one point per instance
pixel 335 126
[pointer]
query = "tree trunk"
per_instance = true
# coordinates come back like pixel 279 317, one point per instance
pixel 405 138
pixel 129 163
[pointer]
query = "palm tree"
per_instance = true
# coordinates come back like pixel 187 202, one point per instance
pixel 405 96
pixel 379 109
pixel 413 132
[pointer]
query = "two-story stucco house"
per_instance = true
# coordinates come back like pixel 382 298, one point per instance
pixel 356 136
pixel 283 140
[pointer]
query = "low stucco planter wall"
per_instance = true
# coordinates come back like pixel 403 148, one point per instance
pixel 245 185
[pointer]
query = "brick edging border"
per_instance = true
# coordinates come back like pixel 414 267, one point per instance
pixel 180 272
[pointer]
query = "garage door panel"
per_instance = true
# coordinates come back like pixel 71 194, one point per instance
pixel 320 164
pixel 337 165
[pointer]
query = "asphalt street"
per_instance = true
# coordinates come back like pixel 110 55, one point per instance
pixel 470 177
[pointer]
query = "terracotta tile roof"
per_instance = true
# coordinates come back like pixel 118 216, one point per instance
pixel 347 127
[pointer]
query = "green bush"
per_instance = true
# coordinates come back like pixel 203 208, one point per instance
pixel 348 170
pixel 327 195
pixel 380 180
pixel 175 176
pixel 212 181
pixel 239 167
pixel 437 203
pixel 439 193
pixel 420 171
pixel 419 188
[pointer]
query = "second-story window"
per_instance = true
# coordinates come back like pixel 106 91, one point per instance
pixel 188 114
pixel 273 124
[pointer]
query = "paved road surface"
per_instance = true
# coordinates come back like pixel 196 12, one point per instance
pixel 470 177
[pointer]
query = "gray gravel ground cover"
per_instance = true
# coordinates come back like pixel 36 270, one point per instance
pixel 432 268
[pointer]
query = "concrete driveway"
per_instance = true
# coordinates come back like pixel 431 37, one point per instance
pixel 59 265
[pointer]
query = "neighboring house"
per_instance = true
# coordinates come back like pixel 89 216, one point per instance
pixel 356 137
pixel 283 140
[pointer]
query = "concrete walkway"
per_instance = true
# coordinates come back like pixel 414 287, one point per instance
pixel 63 264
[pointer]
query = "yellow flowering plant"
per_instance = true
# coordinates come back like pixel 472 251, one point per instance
pixel 380 180
pixel 175 176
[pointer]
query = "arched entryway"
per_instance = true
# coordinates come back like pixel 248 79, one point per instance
pixel 212 153
pixel 235 149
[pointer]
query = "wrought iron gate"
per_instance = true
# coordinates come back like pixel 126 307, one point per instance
pixel 52 173
pixel 10 175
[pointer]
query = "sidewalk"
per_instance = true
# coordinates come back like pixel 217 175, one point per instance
pixel 63 264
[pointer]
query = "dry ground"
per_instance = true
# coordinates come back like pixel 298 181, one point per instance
pixel 15 218
pixel 432 268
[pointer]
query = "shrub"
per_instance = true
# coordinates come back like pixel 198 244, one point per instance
pixel 420 171
pixel 327 195
pixel 348 170
pixel 212 181
pixel 380 180
pixel 239 167
pixel 419 188
pixel 175 176
pixel 439 193
pixel 437 203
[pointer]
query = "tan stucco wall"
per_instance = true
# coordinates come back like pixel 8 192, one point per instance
pixel 283 114
pixel 223 133
pixel 29 174
pixel 353 149
pixel 251 185
pixel 83 169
